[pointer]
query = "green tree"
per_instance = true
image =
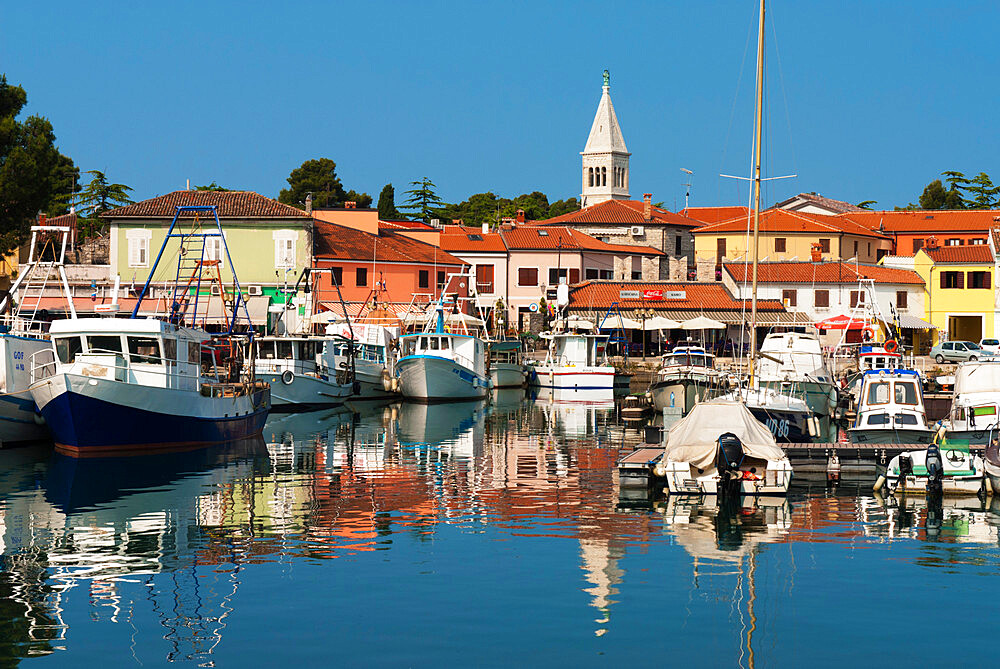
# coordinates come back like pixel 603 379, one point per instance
pixel 560 207
pixel 64 184
pixel 362 200
pixel 213 187
pixel 478 209
pixel 423 202
pixel 28 157
pixel 97 197
pixel 934 195
pixel 387 204
pixel 984 193
pixel 866 204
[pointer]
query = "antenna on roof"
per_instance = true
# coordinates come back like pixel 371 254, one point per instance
pixel 687 193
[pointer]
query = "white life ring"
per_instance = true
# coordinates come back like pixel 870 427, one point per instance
pixel 287 377
pixel 533 307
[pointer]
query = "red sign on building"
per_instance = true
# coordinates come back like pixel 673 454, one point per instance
pixel 652 294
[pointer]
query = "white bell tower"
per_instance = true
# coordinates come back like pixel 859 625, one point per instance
pixel 605 158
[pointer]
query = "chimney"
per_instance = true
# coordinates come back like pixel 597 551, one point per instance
pixel 931 242
pixel 647 206
pixel 486 228
pixel 350 205
pixel 41 218
pixel 520 215
pixel 309 204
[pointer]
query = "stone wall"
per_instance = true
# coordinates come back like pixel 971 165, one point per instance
pixel 93 251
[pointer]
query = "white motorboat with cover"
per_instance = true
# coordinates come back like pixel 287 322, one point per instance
pixel 136 385
pixel 976 406
pixel 719 448
pixel 891 410
pixel 792 363
pixel 575 361
pixel 786 416
pixel 686 376
pixel 290 365
pixel 949 468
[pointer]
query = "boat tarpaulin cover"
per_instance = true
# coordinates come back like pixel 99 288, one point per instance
pixel 977 377
pixel 693 439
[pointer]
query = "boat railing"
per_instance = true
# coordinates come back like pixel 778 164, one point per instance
pixel 43 365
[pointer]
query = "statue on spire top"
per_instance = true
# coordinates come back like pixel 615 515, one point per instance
pixel 607 79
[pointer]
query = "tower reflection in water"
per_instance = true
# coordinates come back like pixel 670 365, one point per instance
pixel 173 538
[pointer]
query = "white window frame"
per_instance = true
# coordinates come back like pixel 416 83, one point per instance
pixel 285 241
pixel 137 242
pixel 210 253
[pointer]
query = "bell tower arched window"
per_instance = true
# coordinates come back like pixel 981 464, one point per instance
pixel 604 176
pixel 591 173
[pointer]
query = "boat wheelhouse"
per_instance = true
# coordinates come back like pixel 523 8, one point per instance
pixel 686 376
pixel 441 366
pixel 109 385
pixel 976 406
pixel 506 357
pixel 791 363
pixel 575 361
pixel 374 358
pixel 891 409
pixel 298 382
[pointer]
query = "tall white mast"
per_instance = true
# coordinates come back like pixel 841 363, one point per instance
pixel 756 188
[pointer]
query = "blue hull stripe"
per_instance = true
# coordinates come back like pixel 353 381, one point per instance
pixel 83 425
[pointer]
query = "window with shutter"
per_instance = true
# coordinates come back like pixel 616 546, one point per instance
pixel 527 276
pixel 138 247
pixel 284 248
pixel 574 276
pixel 824 245
pixel 484 279
pixel 822 298
pixel 900 299
pixel 789 297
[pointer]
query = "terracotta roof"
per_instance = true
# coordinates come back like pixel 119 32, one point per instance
pixel 995 233
pixel 976 253
pixel 820 201
pixel 65 219
pixel 826 272
pixel 531 238
pixel 620 212
pixel 972 220
pixel 715 214
pixel 404 225
pixel 231 204
pixel 782 220
pixel 600 295
pixel 461 239
pixel 338 242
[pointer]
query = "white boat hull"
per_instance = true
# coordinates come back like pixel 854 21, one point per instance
pixel 573 378
pixel 429 378
pixel 303 391
pixel 964 476
pixel 507 375
pixel 683 479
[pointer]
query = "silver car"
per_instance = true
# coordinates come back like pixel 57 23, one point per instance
pixel 958 351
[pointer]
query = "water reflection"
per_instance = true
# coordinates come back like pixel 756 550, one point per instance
pixel 164 547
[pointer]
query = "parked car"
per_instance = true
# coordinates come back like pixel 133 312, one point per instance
pixel 958 351
pixel 991 345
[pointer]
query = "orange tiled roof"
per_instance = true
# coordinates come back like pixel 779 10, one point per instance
pixel 715 214
pixel 230 204
pixel 938 220
pixel 782 220
pixel 338 242
pixel 545 238
pixel 976 253
pixel 459 239
pixel 601 294
pixel 620 212
pixel 404 225
pixel 827 272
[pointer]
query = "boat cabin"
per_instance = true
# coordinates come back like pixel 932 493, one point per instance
pixel 295 354
pixel 141 351
pixel 689 356
pixel 891 399
pixel 507 350
pixel 467 351
pixel 577 349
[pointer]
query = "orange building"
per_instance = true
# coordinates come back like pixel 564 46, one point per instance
pixel 910 230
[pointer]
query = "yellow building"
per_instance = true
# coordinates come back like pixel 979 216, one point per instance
pixel 959 295
pixel 787 235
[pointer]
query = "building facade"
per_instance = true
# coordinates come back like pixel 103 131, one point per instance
pixel 960 295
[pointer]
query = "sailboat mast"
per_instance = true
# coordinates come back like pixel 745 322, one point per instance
pixel 756 188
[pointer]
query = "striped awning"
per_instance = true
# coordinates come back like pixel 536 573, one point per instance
pixel 729 317
pixel 908 322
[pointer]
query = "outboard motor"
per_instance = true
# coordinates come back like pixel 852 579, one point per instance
pixel 905 469
pixel 935 470
pixel 728 458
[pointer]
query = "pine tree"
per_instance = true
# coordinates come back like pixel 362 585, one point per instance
pixel 98 197
pixel 423 202
pixel 387 204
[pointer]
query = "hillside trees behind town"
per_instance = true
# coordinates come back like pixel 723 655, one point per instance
pixel 34 175
pixel 961 192
pixel 490 208
pixel 319 177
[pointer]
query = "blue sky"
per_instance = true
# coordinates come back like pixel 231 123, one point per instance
pixel 866 100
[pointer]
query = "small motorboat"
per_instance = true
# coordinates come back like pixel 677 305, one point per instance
pixel 891 409
pixel 975 409
pixel 946 469
pixel 687 376
pixel 635 408
pixel 721 448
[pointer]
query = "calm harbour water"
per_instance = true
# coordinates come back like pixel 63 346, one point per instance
pixel 470 534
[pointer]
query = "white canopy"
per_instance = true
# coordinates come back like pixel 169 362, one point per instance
pixel 578 322
pixel 695 437
pixel 420 318
pixel 620 322
pixel 702 323
pixel 977 377
pixel 661 323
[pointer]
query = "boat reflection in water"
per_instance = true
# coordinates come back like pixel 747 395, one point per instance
pixel 948 518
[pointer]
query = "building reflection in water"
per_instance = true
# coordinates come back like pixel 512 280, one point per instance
pixel 172 537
